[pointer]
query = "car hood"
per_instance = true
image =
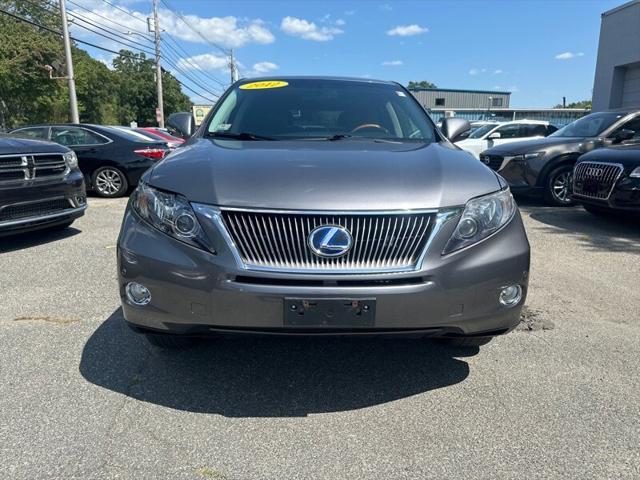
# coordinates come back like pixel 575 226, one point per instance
pixel 323 175
pixel 533 145
pixel 15 145
pixel 627 155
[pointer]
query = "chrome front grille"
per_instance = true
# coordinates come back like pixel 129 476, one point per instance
pixel 32 166
pixel 595 180
pixel 279 240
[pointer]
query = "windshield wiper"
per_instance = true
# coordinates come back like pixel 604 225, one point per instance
pixel 338 136
pixel 239 136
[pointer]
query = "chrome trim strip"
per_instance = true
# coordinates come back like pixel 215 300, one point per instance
pixel 327 212
pixel 51 216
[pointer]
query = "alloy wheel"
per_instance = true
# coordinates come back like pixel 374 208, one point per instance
pixel 108 182
pixel 561 186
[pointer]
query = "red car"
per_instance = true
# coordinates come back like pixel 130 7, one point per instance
pixel 172 141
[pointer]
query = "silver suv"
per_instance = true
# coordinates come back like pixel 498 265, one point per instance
pixel 322 206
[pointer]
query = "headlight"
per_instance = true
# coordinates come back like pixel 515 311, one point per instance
pixel 71 159
pixel 171 214
pixel 482 216
pixel 635 173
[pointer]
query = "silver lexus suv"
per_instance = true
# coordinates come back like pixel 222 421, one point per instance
pixel 321 206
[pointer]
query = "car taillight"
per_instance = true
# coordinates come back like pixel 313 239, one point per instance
pixel 154 153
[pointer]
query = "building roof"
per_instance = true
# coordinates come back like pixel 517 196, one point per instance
pixel 458 90
pixel 621 7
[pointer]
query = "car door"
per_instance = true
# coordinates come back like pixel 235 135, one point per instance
pixel 88 145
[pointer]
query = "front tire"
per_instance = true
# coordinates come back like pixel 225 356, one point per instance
pixel 109 182
pixel 170 342
pixel 558 186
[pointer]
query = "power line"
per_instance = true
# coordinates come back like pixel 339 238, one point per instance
pixel 124 11
pixel 181 17
pixel 126 42
pixel 172 54
pixel 112 32
pixel 105 18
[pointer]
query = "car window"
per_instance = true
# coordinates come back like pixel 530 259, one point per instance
pixel 319 108
pixel 633 125
pixel 551 129
pixel 514 130
pixel 480 132
pixel 75 136
pixel 535 130
pixel 590 126
pixel 37 133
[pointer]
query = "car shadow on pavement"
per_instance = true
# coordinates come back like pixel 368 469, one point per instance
pixel 21 241
pixel 256 376
pixel 611 234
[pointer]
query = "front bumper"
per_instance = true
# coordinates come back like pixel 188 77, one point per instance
pixel 193 291
pixel 70 190
pixel 625 196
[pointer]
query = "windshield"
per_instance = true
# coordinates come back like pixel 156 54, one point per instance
pixel 590 126
pixel 482 130
pixel 312 108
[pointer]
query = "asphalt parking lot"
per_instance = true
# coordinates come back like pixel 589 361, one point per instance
pixel 83 397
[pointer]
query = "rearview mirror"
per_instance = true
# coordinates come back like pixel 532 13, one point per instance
pixel 622 135
pixel 182 124
pixel 494 136
pixel 453 128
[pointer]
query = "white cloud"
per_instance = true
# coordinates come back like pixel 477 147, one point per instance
pixel 392 63
pixel 340 22
pixel 385 7
pixel 227 31
pixel 568 55
pixel 477 71
pixel 510 88
pixel 407 30
pixel 206 61
pixel 264 67
pixel 348 13
pixel 298 27
pixel 497 71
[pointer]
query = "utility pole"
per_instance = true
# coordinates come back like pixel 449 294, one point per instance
pixel 73 101
pixel 232 67
pixel 156 29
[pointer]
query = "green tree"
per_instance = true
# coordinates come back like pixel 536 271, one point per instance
pixel 421 84
pixel 580 104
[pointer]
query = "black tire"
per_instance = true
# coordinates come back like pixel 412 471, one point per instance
pixel 109 182
pixel 466 342
pixel 598 211
pixel 170 342
pixel 558 186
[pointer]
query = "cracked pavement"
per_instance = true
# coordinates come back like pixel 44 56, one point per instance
pixel 83 397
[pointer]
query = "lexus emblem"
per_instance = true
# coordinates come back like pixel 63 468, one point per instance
pixel 330 241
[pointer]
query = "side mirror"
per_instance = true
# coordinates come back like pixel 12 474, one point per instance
pixel 182 123
pixel 622 135
pixel 453 128
pixel 494 136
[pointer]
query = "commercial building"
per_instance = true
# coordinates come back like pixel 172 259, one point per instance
pixel 449 99
pixel 617 79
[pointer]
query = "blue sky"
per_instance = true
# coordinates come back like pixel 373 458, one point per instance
pixel 539 50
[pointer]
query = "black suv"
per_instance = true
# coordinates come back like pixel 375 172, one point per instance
pixel 40 186
pixel 608 180
pixel 111 158
pixel 545 166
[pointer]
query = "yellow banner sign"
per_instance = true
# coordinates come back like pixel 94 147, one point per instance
pixel 262 85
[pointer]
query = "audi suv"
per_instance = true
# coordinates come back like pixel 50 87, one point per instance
pixel 322 206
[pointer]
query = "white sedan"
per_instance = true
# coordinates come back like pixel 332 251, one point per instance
pixel 494 134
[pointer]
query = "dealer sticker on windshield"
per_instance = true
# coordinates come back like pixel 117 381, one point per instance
pixel 263 85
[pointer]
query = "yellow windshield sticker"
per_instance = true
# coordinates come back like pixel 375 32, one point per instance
pixel 262 85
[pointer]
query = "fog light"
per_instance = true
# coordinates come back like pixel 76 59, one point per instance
pixel 138 294
pixel 511 295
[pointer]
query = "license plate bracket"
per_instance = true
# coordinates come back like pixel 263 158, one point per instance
pixel 337 312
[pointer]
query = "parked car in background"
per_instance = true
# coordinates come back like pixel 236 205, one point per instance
pixel 321 206
pixel 494 134
pixel 40 186
pixel 172 141
pixel 112 159
pixel 607 180
pixel 544 166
